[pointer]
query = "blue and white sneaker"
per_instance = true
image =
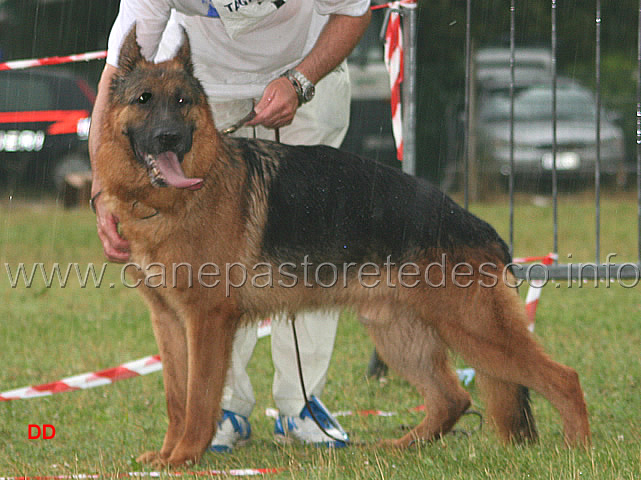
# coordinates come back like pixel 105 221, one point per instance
pixel 303 428
pixel 233 430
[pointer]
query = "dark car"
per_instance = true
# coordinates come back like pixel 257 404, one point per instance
pixel 44 126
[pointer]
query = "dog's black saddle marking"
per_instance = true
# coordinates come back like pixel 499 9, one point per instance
pixel 333 206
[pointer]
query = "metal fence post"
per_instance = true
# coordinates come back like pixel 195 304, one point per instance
pixel 409 13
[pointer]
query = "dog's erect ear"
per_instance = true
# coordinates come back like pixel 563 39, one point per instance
pixel 130 53
pixel 183 55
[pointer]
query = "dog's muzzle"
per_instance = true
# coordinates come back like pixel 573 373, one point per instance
pixel 164 168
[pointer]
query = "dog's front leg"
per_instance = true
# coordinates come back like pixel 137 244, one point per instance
pixel 171 340
pixel 209 342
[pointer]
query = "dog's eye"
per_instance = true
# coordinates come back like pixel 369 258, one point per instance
pixel 144 98
pixel 183 100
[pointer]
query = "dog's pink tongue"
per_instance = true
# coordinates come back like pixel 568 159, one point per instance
pixel 173 174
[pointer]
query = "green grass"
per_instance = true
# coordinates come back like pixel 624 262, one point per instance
pixel 50 333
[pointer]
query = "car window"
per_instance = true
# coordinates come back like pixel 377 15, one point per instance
pixel 570 105
pixel 22 93
pixel 536 104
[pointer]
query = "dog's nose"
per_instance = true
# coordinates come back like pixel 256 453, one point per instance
pixel 168 140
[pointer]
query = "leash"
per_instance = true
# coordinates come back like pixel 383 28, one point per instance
pixel 302 386
pixel 454 431
pixel 231 129
pixel 240 123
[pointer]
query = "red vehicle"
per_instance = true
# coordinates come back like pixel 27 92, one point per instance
pixel 44 126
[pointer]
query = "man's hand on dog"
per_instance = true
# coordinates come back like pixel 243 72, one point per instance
pixel 116 248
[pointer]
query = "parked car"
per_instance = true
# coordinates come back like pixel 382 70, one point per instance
pixel 44 125
pixel 533 134
pixel 492 84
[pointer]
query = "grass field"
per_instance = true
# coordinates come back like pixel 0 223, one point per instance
pixel 47 333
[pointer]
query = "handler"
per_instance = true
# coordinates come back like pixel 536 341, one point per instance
pixel 286 57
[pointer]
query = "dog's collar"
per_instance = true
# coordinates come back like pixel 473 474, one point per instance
pixel 143 212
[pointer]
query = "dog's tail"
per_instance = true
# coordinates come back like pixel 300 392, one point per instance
pixel 508 407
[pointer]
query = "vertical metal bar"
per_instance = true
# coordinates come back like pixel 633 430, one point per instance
pixel 468 80
pixel 408 14
pixel 555 192
pixel 597 164
pixel 638 149
pixel 512 84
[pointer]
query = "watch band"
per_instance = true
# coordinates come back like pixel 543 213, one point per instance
pixel 305 89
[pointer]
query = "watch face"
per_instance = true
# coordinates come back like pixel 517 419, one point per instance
pixel 308 92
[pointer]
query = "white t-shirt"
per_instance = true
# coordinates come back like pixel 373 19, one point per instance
pixel 237 54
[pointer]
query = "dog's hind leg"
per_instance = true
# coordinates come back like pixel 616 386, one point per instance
pixel 488 328
pixel 170 338
pixel 417 353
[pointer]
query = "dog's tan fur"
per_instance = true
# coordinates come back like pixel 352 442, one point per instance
pixel 224 221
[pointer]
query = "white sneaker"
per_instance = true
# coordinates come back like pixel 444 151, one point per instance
pixel 233 430
pixel 303 428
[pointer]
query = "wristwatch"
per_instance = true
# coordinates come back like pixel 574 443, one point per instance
pixel 304 88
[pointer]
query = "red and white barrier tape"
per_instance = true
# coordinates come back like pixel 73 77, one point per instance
pixel 244 472
pixel 393 57
pixel 143 366
pixel 136 368
pixel 534 292
pixel 545 259
pixel 265 328
pixel 37 62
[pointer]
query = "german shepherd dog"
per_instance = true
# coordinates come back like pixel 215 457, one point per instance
pixel 243 224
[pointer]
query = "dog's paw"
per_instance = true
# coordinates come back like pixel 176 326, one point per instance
pixel 151 458
pixel 389 443
pixel 175 459
pixel 178 460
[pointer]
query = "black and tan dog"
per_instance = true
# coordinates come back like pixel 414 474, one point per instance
pixel 251 228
